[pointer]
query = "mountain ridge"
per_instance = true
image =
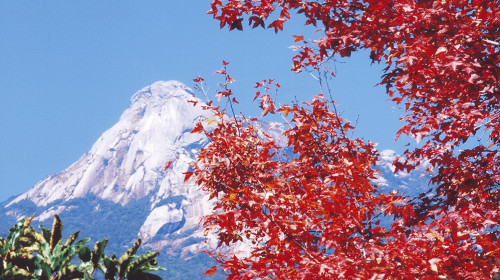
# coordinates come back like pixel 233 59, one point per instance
pixel 158 113
pixel 120 189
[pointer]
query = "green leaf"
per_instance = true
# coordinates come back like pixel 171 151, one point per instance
pixel 56 234
pixel 45 234
pixel 127 257
pixel 16 273
pixel 43 270
pixel 84 254
pixel 98 252
pixel 67 254
pixel 71 239
pixel 14 234
pixel 110 267
pixel 70 272
pixel 145 263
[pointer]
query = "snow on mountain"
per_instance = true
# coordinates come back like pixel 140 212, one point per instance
pixel 408 184
pixel 120 188
pixel 127 161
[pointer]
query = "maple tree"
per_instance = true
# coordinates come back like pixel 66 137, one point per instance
pixel 306 204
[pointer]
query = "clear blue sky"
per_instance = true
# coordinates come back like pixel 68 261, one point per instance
pixel 68 69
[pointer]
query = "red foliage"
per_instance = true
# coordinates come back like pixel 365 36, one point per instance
pixel 167 166
pixel 315 213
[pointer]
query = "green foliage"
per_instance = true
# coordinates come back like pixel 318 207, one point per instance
pixel 28 254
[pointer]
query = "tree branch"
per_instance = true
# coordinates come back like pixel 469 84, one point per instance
pixel 494 43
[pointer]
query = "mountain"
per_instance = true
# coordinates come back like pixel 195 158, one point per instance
pixel 409 184
pixel 121 190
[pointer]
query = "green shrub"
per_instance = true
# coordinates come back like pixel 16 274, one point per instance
pixel 41 255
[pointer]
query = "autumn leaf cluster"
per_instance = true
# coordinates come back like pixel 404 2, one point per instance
pixel 308 206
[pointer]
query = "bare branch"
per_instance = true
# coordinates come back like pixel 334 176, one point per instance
pixel 494 43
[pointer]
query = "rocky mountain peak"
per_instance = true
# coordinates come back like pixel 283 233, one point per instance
pixel 160 92
pixel 127 160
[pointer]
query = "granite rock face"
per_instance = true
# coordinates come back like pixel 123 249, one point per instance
pixel 120 188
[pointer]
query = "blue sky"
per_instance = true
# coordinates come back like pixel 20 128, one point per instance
pixel 68 69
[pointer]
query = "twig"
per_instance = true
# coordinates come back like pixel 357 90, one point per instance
pixel 494 43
